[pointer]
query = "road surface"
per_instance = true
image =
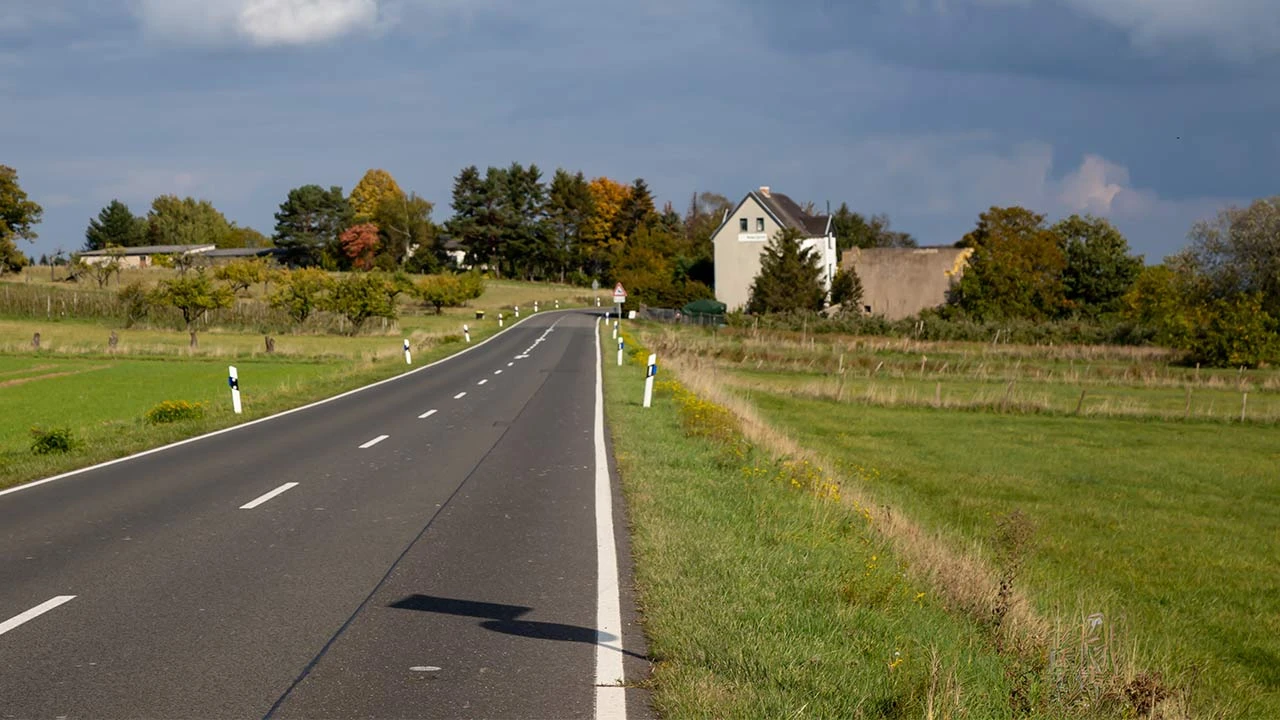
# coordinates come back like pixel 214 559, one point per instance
pixel 423 548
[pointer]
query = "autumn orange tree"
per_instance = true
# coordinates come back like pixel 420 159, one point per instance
pixel 359 242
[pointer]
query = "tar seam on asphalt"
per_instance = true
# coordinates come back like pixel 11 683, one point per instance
pixel 383 580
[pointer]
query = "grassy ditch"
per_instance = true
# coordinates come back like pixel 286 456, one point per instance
pixel 765 593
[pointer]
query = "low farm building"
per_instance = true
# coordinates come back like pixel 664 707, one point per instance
pixel 138 257
pixel 900 282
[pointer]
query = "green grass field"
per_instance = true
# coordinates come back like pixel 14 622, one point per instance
pixel 76 380
pixel 764 599
pixel 1170 529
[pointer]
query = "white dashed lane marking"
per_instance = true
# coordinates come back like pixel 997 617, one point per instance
pixel 426 414
pixel 258 501
pixel 34 612
pixel 459 396
pixel 374 441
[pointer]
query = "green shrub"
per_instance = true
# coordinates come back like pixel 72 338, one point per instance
pixel 47 441
pixel 171 411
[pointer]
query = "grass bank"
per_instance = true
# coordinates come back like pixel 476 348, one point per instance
pixel 766 593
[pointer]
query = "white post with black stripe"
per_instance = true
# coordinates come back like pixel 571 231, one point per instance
pixel 620 344
pixel 651 371
pixel 535 306
pixel 233 379
pixel 500 320
pixel 517 312
pixel 557 304
pixel 408 359
pixel 466 334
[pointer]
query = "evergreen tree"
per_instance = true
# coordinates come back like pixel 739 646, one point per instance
pixel 525 232
pixel 115 225
pixel 846 289
pixel 569 206
pixel 309 224
pixel 790 277
pixel 467 201
pixel 637 210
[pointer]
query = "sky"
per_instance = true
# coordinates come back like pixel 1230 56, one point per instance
pixel 1152 113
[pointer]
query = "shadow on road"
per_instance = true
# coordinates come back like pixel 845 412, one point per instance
pixel 505 619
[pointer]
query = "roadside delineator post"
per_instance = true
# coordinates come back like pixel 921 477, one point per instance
pixel 557 304
pixel 651 371
pixel 615 329
pixel 499 319
pixel 620 346
pixel 597 301
pixel 466 333
pixel 408 359
pixel 535 306
pixel 233 379
pixel 517 311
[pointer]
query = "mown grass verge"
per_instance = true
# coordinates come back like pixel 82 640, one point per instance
pixel 764 594
pixel 104 399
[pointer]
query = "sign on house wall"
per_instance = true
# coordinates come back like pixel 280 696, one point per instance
pixel 753 237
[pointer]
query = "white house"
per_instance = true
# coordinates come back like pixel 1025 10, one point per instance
pixel 741 238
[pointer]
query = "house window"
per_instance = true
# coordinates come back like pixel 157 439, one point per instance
pixel 759 224
pixel 742 224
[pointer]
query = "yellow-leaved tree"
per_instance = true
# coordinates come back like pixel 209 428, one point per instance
pixel 607 198
pixel 376 187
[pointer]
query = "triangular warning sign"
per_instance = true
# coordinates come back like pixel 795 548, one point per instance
pixel 618 291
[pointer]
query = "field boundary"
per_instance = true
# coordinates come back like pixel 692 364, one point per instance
pixel 275 416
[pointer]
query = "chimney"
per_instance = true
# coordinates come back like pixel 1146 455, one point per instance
pixel 764 190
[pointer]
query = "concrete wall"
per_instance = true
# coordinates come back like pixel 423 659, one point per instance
pixel 738 253
pixel 900 282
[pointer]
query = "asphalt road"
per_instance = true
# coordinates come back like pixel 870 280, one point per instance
pixel 298 568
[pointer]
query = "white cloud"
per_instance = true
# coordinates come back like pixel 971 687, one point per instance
pixel 1238 29
pixel 263 23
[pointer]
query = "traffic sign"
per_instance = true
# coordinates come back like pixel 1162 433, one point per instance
pixel 619 294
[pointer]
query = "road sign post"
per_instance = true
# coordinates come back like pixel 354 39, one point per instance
pixel 619 297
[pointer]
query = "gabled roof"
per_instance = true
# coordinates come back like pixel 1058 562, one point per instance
pixel 785 212
pixel 149 250
pixel 789 214
pixel 242 252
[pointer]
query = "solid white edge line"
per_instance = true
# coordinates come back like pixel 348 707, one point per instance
pixel 459 396
pixel 426 414
pixel 611 696
pixel 300 408
pixel 374 441
pixel 263 498
pixel 34 612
